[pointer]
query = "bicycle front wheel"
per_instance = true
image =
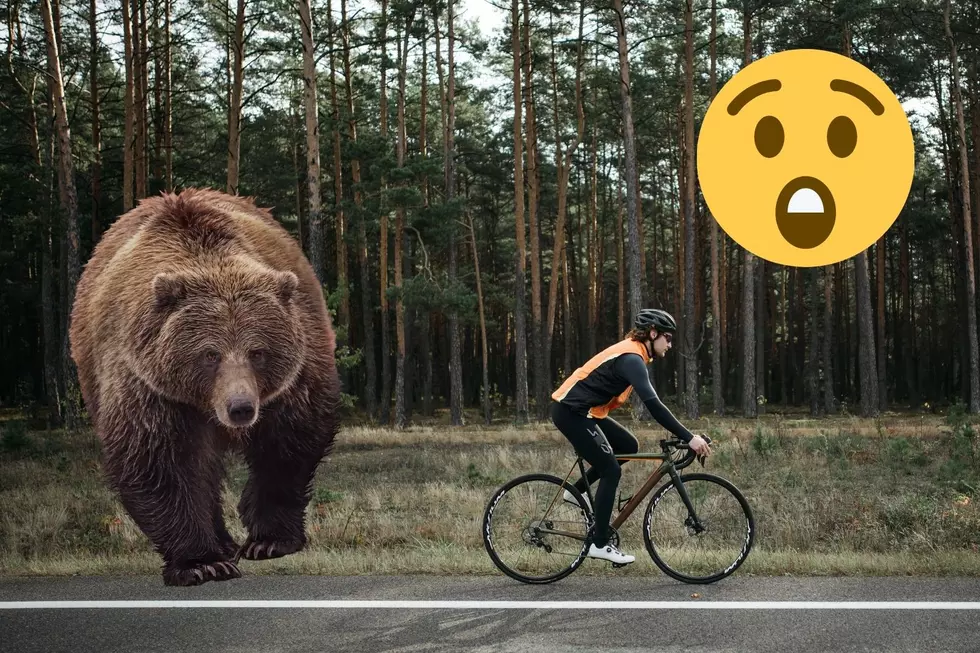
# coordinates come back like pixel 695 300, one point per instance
pixel 532 533
pixel 707 545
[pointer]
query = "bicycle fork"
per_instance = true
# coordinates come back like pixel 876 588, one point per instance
pixel 692 520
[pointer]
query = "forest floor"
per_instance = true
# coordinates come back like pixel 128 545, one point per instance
pixel 835 495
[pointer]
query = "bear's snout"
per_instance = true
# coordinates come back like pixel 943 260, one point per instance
pixel 241 410
pixel 236 395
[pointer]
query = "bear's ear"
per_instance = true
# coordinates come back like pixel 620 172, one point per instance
pixel 286 285
pixel 168 290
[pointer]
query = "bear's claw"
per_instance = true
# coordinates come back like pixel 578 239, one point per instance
pixel 268 549
pixel 201 573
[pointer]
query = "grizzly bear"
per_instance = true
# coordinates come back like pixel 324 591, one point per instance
pixel 200 328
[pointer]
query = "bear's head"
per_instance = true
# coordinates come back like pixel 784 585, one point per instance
pixel 228 338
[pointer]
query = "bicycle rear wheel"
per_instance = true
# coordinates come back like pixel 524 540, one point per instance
pixel 532 533
pixel 705 550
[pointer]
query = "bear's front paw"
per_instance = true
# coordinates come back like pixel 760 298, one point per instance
pixel 196 574
pixel 268 549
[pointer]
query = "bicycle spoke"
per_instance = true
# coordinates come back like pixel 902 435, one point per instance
pixel 705 549
pixel 532 535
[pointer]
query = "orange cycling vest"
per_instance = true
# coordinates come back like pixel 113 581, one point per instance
pixel 598 388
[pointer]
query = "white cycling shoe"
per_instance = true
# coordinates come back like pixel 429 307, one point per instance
pixel 570 499
pixel 610 553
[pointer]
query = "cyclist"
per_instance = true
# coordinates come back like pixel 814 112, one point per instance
pixel 582 404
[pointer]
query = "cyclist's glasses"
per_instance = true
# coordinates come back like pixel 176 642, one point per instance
pixel 667 337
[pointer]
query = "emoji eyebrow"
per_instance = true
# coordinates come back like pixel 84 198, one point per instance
pixel 860 93
pixel 754 91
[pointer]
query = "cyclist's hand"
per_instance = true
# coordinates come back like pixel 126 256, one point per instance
pixel 700 447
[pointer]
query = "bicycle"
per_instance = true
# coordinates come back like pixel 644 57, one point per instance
pixel 672 505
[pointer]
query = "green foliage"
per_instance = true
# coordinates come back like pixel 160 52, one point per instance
pixel 905 454
pixel 475 476
pixel 764 443
pixel 962 443
pixel 325 495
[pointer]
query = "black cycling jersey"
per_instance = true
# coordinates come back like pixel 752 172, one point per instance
pixel 610 379
pixel 631 368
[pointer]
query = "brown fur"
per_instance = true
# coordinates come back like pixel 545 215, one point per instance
pixel 199 326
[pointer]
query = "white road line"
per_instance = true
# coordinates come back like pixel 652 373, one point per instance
pixel 494 605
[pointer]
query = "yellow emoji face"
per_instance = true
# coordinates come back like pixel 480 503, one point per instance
pixel 805 158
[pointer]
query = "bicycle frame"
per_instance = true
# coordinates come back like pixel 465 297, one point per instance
pixel 670 469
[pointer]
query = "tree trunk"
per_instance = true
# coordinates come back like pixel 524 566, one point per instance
pixel 749 403
pixel 455 340
pixel 69 210
pixel 563 164
pixel 866 335
pixel 296 147
pixel 235 109
pixel 401 144
pixel 157 98
pixel 343 312
pixel 370 366
pixel 909 354
pixel 690 321
pixel 717 388
pixel 567 360
pixel 975 176
pixel 167 101
pixel 629 144
pixel 595 264
pixel 96 127
pixel 880 279
pixel 813 350
pixel 971 309
pixel 634 267
pixel 541 377
pixel 869 377
pixel 620 262
pixel 49 322
pixel 383 234
pixel 128 129
pixel 487 414
pixel 760 328
pixel 520 327
pixel 142 98
pixel 829 397
pixel 314 216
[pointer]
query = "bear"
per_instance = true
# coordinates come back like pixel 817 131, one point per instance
pixel 199 328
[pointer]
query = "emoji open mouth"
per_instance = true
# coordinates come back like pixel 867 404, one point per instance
pixel 805 212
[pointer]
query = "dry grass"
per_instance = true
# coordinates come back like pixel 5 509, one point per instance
pixel 842 495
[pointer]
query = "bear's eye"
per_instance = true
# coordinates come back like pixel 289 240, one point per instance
pixel 842 136
pixel 257 356
pixel 212 356
pixel 769 136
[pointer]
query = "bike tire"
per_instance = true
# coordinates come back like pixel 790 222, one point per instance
pixel 488 514
pixel 747 543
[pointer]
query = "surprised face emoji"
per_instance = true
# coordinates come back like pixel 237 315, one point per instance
pixel 805 158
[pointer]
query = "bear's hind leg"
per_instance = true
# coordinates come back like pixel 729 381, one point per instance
pixel 166 482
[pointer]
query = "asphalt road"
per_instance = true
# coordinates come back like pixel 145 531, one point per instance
pixel 756 615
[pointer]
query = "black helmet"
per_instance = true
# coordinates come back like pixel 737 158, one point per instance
pixel 654 318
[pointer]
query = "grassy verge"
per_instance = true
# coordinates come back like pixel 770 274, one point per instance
pixel 846 496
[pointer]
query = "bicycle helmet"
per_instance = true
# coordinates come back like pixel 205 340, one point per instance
pixel 653 318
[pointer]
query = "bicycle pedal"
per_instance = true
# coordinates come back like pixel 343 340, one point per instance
pixel 617 565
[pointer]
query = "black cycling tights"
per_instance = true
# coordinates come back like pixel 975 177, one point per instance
pixel 596 441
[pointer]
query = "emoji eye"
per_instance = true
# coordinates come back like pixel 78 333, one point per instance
pixel 769 137
pixel 842 136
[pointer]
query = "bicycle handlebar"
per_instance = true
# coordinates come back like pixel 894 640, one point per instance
pixel 690 456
